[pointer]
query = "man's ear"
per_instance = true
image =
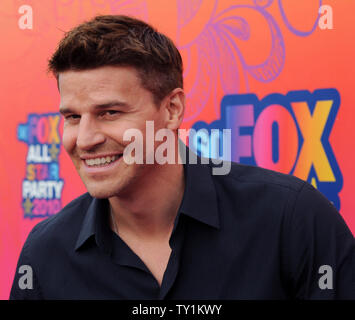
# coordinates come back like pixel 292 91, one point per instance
pixel 175 108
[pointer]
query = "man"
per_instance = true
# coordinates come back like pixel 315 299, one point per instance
pixel 169 231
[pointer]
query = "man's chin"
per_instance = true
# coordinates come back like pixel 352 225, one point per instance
pixel 101 193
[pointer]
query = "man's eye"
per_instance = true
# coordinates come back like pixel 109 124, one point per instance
pixel 109 113
pixel 72 117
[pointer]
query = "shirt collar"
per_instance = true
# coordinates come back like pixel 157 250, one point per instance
pixel 200 199
pixel 96 222
pixel 199 202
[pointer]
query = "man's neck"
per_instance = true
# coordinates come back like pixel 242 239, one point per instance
pixel 149 211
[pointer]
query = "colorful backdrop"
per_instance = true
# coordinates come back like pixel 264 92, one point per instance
pixel 279 73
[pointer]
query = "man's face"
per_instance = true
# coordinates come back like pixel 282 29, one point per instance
pixel 98 106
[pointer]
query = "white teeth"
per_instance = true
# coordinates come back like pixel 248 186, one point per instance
pixel 90 162
pixel 100 161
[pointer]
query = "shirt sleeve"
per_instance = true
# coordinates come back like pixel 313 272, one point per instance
pixel 320 249
pixel 25 285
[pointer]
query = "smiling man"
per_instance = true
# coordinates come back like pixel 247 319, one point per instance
pixel 99 106
pixel 172 230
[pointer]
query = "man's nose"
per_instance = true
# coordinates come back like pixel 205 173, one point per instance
pixel 89 135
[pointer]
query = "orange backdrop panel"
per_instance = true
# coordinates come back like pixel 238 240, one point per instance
pixel 276 72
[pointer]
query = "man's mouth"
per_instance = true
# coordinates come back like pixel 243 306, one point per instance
pixel 101 161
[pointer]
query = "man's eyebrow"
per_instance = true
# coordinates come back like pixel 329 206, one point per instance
pixel 110 104
pixel 63 110
pixel 67 110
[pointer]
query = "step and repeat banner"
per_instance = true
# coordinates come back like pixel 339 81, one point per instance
pixel 278 73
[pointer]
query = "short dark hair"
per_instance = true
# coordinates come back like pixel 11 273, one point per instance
pixel 117 40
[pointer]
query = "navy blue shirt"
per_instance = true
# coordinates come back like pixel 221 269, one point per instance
pixel 251 234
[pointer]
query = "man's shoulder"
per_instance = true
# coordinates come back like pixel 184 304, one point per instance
pixel 241 174
pixel 63 224
pixel 277 193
